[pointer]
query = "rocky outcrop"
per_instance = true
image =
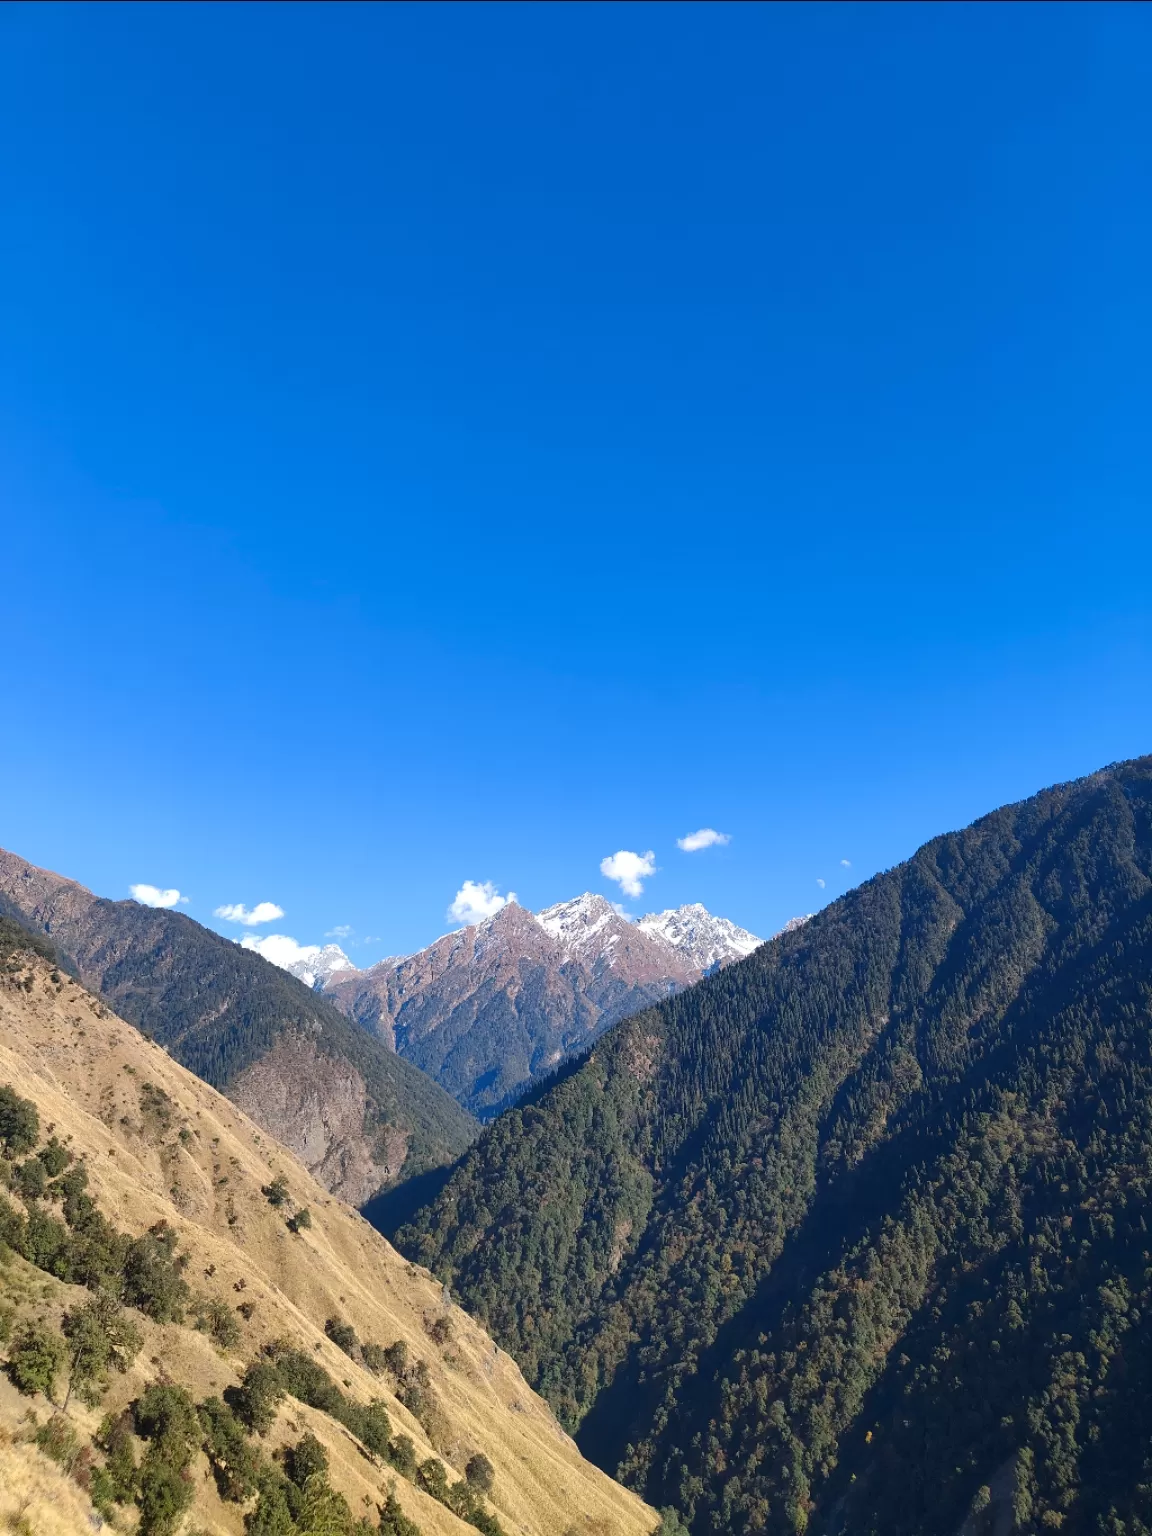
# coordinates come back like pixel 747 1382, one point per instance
pixel 317 1105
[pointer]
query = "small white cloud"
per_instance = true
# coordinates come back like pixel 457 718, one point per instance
pixel 846 863
pixel 820 883
pixel 477 900
pixel 341 931
pixel 237 912
pixel 618 908
pixel 707 837
pixel 279 948
pixel 153 896
pixel 629 870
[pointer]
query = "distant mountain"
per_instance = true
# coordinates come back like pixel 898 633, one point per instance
pixel 358 1116
pixel 708 942
pixel 313 964
pixel 491 1009
pixel 853 1236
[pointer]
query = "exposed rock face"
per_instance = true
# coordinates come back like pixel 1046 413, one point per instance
pixel 318 1106
pixel 357 1114
pixel 490 1009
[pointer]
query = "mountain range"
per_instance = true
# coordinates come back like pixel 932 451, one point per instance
pixel 358 1116
pixel 852 1237
pixel 491 1009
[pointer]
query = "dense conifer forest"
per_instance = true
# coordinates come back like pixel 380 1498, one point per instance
pixel 853 1237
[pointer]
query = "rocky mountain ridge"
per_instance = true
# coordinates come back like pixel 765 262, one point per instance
pixel 489 1010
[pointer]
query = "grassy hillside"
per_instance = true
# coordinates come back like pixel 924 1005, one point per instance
pixel 854 1236
pixel 250 1326
pixel 252 1030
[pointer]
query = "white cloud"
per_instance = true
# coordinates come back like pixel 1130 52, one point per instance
pixel 341 931
pixel 707 837
pixel 629 870
pixel 280 949
pixel 618 908
pixel 152 896
pixel 477 900
pixel 820 883
pixel 237 912
pixel 846 863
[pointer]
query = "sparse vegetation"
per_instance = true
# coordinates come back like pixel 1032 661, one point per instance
pixel 277 1193
pixel 35 1359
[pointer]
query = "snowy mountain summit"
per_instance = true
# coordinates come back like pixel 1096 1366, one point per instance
pixel 313 964
pixel 582 926
pixel 707 941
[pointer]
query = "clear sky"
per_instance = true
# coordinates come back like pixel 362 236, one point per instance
pixel 461 443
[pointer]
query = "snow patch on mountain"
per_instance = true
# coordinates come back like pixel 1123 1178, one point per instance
pixel 706 940
pixel 578 926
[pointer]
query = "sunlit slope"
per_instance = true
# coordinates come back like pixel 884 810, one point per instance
pixel 160 1145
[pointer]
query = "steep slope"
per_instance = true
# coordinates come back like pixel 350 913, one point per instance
pixel 852 1236
pixel 489 1010
pixel 159 1145
pixel 359 1117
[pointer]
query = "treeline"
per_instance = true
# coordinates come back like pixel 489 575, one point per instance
pixel 852 1237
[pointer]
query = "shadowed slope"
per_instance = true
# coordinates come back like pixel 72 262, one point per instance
pixel 834 1238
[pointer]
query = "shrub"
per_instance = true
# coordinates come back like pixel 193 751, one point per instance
pixel 307 1458
pixel 100 1338
pixel 276 1193
pixel 235 1464
pixel 258 1396
pixel 58 1440
pixel 480 1473
pixel 164 1493
pixel 19 1123
pixel 272 1516
pixel 439 1330
pixel 373 1357
pixel 45 1242
pixel 114 1438
pixel 343 1335
pixel 54 1158
pixel 35 1359
pixel 431 1476
pixel 165 1416
pixel 152 1275
pixel 393 1520
pixel 402 1455
pixel 302 1220
pixel 215 1318
pixel 396 1358
pixel 30 1180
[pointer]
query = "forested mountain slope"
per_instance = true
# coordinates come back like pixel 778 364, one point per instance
pixel 854 1235
pixel 354 1112
pixel 279 1369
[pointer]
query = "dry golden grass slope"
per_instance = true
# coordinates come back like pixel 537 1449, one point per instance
pixel 203 1171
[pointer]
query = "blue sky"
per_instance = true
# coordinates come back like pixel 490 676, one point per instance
pixel 464 442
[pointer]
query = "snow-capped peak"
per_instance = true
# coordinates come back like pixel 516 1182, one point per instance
pixel 706 940
pixel 578 925
pixel 313 964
